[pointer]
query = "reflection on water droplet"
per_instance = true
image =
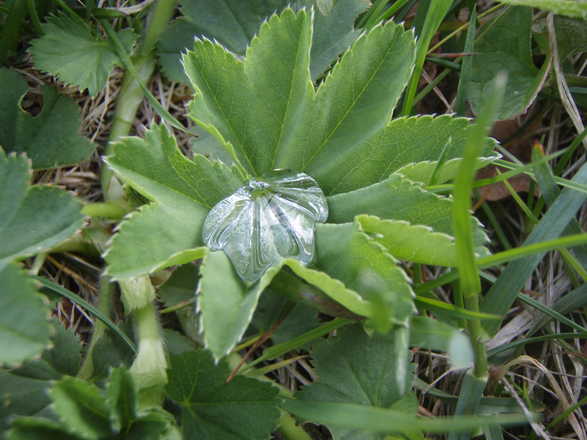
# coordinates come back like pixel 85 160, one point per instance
pixel 266 220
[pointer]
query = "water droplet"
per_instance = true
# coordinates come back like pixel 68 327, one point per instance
pixel 266 220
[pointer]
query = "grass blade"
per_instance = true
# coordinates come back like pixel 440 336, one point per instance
pixel 87 306
pixel 503 293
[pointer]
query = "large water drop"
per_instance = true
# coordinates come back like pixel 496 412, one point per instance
pixel 265 221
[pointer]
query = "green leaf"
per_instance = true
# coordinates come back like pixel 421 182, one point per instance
pixel 333 288
pixel 84 412
pixel 504 45
pixel 81 407
pixel 397 198
pixel 121 395
pixel 433 334
pixel 243 409
pixel 411 145
pixel 234 26
pixel 272 308
pixel 149 165
pixel 158 235
pixel 364 266
pixel 355 368
pixel 355 100
pixel 152 239
pixel 46 217
pixel 24 330
pixel 226 305
pixel 405 241
pixel 334 32
pixel 50 138
pixel 570 8
pixel 33 428
pixel 70 51
pixel 21 396
pixel 65 353
pixel 229 22
pixel 257 110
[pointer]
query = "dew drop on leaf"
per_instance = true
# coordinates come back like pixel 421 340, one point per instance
pixel 266 220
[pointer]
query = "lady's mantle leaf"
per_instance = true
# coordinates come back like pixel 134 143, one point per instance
pixel 398 198
pixel 356 99
pixel 226 305
pixel 404 144
pixel 52 137
pixel 349 255
pixel 355 368
pixel 24 330
pixel 259 111
pixel 86 412
pixel 505 45
pixel 405 241
pixel 234 26
pixel 271 117
pixel 243 409
pixel 153 238
pixel 81 407
pixel 69 51
pixel 168 231
pixel 32 219
pixel 265 221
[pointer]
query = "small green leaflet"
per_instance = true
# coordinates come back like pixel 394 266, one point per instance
pixel 355 368
pixel 234 26
pixel 70 50
pixel 505 45
pixel 211 409
pixel 34 218
pixel 49 139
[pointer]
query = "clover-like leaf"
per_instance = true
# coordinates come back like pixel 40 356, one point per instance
pixel 70 51
pixel 411 146
pixel 505 45
pixel 159 235
pixel 269 116
pixel 409 242
pixel 398 198
pixel 86 412
pixel 265 221
pixel 32 219
pixel 234 26
pixel 50 138
pixel 24 330
pixel 356 368
pixel 243 409
pixel 226 305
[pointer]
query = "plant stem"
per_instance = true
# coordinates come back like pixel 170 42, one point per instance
pixel 149 367
pixel 131 94
pixel 108 210
pixel 289 428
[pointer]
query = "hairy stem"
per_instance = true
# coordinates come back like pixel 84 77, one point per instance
pixel 131 93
